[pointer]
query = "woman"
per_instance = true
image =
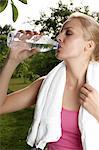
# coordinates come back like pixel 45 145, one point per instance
pixel 78 44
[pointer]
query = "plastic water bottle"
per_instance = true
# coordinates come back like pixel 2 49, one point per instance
pixel 43 43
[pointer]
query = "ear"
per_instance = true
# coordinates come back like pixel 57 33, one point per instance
pixel 90 45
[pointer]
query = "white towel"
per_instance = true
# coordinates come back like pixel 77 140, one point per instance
pixel 46 126
pixel 88 125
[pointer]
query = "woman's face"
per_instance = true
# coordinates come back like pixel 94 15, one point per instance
pixel 71 40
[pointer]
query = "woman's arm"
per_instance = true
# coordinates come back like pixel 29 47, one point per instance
pixel 22 98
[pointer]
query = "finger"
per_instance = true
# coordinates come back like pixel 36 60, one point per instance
pixel 23 37
pixel 35 33
pixel 30 52
pixel 21 31
pixel 83 96
pixel 29 33
pixel 19 34
pixel 84 91
pixel 88 87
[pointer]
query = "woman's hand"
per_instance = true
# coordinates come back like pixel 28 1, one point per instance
pixel 89 98
pixel 20 50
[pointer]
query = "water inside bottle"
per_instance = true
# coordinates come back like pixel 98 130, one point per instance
pixel 43 44
pixel 44 47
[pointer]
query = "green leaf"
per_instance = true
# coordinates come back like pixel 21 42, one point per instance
pixel 3 5
pixel 14 11
pixel 23 1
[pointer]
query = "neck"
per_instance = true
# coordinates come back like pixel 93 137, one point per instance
pixel 76 73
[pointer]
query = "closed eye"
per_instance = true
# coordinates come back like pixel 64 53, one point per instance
pixel 68 32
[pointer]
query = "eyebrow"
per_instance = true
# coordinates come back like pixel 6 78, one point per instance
pixel 66 27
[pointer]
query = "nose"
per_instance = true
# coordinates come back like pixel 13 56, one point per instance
pixel 59 38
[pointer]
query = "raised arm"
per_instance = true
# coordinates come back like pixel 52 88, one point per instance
pixel 22 98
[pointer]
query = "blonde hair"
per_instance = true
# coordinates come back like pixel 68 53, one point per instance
pixel 91 31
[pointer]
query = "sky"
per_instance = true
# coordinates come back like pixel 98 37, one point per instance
pixel 33 9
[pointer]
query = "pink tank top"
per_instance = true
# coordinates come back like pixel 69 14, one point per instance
pixel 71 137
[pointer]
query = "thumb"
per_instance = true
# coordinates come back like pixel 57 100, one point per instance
pixel 30 52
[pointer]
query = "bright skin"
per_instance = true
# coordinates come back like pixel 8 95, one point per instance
pixel 76 52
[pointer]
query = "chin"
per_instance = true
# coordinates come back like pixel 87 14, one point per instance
pixel 58 57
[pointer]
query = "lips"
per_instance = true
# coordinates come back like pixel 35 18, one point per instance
pixel 59 46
